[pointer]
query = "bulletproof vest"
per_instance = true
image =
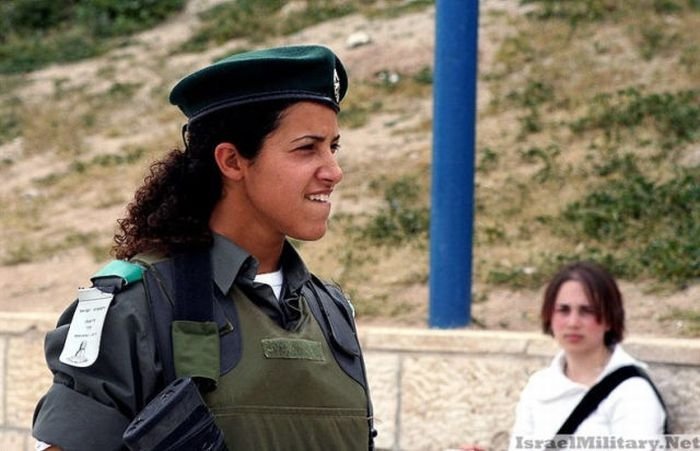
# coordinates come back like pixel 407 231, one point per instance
pixel 201 334
pixel 287 391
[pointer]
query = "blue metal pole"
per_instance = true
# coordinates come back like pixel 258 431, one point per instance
pixel 452 197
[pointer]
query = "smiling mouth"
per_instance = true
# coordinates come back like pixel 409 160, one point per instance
pixel 323 198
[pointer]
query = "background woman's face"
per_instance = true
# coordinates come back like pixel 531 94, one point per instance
pixel 575 323
pixel 289 184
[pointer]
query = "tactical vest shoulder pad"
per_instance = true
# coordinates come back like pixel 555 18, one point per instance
pixel 341 298
pixel 334 316
pixel 120 272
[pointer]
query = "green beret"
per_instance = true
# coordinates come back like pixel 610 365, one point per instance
pixel 308 72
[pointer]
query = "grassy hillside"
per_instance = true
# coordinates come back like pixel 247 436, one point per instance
pixel 588 139
pixel 601 159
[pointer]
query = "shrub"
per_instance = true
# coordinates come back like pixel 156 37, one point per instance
pixel 10 119
pixel 259 19
pixel 39 32
pixel 653 228
pixel 402 218
pixel 106 18
pixel 674 115
pixel 575 11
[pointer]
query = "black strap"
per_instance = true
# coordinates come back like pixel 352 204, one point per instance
pixel 599 392
pixel 159 281
pixel 158 286
pixel 193 292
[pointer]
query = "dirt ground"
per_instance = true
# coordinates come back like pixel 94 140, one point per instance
pixel 406 44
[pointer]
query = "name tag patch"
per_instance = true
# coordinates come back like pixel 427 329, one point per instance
pixel 82 344
pixel 292 348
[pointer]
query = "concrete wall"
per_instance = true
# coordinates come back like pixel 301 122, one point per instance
pixel 23 375
pixel 435 389
pixel 432 389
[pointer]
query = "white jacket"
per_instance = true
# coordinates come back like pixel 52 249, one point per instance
pixel 631 410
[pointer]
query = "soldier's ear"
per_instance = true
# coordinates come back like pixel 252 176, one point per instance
pixel 230 162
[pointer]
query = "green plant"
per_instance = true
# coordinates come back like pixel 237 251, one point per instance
pixel 107 18
pixel 17 254
pixel 655 39
pixel 531 97
pixel 690 58
pixel 232 20
pixel 550 262
pixel 356 114
pixel 317 11
pixel 667 6
pixel 515 52
pixel 369 97
pixel 515 277
pixel 39 32
pixel 493 234
pixel 654 227
pixel 392 8
pixel 616 164
pixel 424 76
pixel 547 156
pixel 10 119
pixel 575 11
pixel 530 123
pixel 258 20
pixel 487 160
pixel 120 92
pixel 534 94
pixel 81 167
pixel 128 157
pixel 26 251
pixel 674 115
pixel 402 219
pixel 25 16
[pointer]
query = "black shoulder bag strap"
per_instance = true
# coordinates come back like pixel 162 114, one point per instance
pixel 600 391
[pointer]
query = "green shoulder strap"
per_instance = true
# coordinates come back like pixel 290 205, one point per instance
pixel 127 271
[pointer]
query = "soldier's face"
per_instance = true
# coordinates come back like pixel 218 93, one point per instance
pixel 288 185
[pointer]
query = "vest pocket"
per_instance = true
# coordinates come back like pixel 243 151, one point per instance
pixel 293 428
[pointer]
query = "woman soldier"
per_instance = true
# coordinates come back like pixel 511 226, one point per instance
pixel 207 284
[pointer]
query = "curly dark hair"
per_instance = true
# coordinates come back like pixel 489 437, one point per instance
pixel 170 211
pixel 601 290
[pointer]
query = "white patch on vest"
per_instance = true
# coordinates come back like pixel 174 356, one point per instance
pixel 82 345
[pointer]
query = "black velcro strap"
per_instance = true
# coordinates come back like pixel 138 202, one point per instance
pixel 193 291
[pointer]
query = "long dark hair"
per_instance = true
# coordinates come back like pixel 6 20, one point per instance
pixel 601 290
pixel 170 211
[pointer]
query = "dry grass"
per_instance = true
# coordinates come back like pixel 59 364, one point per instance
pixel 536 78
